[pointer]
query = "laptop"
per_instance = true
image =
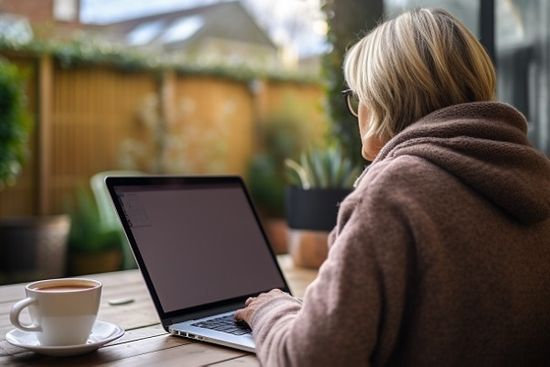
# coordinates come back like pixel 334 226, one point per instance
pixel 201 250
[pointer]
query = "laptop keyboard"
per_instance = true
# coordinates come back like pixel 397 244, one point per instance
pixel 226 324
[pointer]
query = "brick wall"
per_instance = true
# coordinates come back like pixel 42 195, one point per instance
pixel 40 11
pixel 36 11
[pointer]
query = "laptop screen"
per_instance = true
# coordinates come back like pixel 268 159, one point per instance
pixel 200 243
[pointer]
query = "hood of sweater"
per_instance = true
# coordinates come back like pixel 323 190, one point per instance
pixel 485 146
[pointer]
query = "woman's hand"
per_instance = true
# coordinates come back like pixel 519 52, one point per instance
pixel 252 304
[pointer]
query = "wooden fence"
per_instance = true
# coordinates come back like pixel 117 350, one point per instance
pixel 95 118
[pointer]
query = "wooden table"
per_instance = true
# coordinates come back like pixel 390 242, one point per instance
pixel 145 342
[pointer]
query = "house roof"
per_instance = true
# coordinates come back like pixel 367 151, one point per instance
pixel 228 20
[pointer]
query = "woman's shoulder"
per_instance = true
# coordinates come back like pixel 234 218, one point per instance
pixel 401 192
pixel 397 175
pixel 402 186
pixel 391 182
pixel 386 198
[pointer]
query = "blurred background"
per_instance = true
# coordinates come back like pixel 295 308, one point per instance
pixel 95 87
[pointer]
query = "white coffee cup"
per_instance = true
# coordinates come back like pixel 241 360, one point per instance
pixel 63 311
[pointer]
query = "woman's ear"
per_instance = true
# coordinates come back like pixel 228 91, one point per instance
pixel 371 146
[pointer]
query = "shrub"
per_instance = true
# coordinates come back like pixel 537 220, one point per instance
pixel 14 123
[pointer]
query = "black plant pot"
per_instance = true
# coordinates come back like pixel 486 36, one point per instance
pixel 313 209
pixel 33 248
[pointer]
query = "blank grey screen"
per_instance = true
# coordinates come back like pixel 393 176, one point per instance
pixel 200 245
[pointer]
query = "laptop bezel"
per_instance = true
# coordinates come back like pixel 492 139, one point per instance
pixel 195 312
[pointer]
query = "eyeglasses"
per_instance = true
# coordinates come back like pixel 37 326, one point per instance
pixel 352 101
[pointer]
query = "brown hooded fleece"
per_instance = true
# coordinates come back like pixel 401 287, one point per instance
pixel 440 257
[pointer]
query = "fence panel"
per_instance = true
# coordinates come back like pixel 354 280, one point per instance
pixel 96 114
pixel 103 118
pixel 213 123
pixel 306 101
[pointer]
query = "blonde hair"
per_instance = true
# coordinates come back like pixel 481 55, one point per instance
pixel 419 62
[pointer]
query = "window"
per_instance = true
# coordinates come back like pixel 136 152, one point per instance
pixel 521 46
pixel 145 33
pixel 523 62
pixel 183 29
pixel 65 10
pixel 466 11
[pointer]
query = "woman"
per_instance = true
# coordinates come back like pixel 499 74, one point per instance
pixel 441 254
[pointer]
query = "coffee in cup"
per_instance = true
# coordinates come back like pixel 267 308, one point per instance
pixel 63 311
pixel 64 288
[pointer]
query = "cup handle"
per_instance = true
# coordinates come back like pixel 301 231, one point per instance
pixel 16 310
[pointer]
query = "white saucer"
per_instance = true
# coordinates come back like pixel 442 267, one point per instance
pixel 102 333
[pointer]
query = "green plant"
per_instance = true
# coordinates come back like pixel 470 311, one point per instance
pixel 87 234
pixel 83 50
pixel 14 123
pixel 266 184
pixel 282 135
pixel 347 20
pixel 325 169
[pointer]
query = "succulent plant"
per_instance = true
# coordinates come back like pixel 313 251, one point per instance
pixel 322 168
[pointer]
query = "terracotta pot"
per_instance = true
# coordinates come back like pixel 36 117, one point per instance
pixel 308 249
pixel 277 232
pixel 95 262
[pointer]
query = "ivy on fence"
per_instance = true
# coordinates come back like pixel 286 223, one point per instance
pixel 82 51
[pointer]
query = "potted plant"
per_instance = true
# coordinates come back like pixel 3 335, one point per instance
pixel 30 247
pixel 93 248
pixel 320 181
pixel 280 136
pixel 267 190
